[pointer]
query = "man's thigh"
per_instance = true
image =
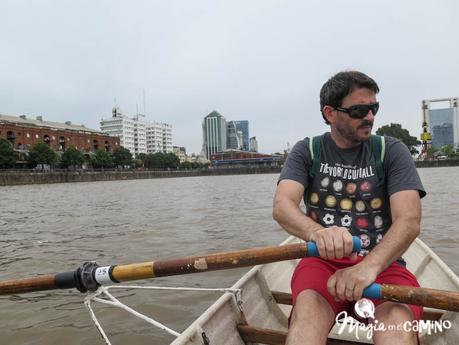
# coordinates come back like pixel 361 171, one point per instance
pixel 313 274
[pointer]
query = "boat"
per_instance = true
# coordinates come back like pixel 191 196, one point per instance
pixel 259 313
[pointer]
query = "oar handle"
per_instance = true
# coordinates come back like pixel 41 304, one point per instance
pixel 314 251
pixel 439 299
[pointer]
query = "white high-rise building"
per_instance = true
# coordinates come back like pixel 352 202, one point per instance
pixel 121 126
pixel 138 135
pixel 159 137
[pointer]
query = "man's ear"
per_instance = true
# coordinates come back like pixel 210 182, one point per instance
pixel 329 113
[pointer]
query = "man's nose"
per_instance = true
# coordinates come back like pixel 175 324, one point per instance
pixel 369 116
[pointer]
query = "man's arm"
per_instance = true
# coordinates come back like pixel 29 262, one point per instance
pixel 333 242
pixel 406 219
pixel 287 213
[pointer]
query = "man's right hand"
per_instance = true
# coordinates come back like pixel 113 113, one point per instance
pixel 334 242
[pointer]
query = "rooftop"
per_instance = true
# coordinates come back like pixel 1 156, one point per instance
pixel 39 122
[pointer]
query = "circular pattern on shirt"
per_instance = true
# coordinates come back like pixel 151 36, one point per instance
pixel 346 204
pixel 376 203
pixel 351 187
pixel 329 219
pixel 325 182
pixel 378 222
pixel 330 201
pixel 365 240
pixel 346 221
pixel 314 198
pixel 365 186
pixel 378 238
pixel 338 186
pixel 362 223
pixel 360 206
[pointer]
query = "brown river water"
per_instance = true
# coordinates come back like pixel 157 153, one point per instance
pixel 54 228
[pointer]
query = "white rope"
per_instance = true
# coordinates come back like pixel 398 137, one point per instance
pixel 103 291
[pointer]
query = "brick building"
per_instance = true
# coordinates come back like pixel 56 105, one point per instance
pixel 23 133
pixel 237 157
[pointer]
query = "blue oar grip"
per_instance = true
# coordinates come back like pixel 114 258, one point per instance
pixel 313 251
pixel 373 291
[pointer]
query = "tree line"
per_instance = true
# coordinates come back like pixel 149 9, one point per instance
pixel 397 131
pixel 41 155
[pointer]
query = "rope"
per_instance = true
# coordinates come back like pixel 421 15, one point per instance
pixel 102 292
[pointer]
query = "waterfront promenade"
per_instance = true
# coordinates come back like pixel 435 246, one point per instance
pixel 24 177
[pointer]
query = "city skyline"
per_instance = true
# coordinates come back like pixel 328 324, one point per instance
pixel 263 61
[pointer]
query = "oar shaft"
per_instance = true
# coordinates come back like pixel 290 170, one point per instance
pixel 439 299
pixel 39 283
pixel 447 300
pixel 212 262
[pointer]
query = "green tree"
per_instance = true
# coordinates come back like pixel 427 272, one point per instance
pixel 137 163
pixel 431 150
pixel 41 153
pixel 122 157
pixel 72 157
pixel 7 155
pixel 101 159
pixel 162 160
pixel 395 130
pixel 171 160
pixel 449 151
pixel 153 161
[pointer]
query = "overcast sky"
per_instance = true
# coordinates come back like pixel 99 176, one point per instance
pixel 263 61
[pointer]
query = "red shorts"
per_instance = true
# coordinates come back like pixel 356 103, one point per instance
pixel 313 273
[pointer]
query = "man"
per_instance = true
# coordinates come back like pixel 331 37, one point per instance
pixel 345 196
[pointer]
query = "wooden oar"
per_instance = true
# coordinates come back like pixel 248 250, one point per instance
pixel 439 299
pixel 90 276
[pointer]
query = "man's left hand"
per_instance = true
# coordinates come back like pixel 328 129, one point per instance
pixel 348 283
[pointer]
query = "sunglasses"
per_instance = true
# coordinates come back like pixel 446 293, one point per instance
pixel 359 111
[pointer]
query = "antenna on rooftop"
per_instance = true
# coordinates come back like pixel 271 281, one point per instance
pixel 144 106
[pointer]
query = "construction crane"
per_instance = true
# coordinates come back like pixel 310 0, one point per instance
pixel 426 136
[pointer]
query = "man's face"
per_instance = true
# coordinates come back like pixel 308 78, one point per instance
pixel 355 130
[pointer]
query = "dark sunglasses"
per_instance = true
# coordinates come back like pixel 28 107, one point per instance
pixel 359 111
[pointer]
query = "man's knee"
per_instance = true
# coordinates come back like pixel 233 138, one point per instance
pixel 393 316
pixel 391 311
pixel 310 303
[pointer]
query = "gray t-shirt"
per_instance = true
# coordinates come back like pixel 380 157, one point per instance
pixel 346 190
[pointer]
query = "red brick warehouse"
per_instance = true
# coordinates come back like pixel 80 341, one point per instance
pixel 23 133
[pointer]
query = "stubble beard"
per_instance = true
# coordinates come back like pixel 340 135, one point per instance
pixel 350 134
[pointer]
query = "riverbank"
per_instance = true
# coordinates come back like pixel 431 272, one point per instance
pixel 18 177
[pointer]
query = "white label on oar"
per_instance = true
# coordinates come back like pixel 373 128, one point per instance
pixel 365 308
pixel 102 275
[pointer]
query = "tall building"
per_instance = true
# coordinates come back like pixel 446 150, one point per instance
pixel 158 137
pixel 243 126
pixel 442 135
pixel 443 123
pixel 138 135
pixel 121 126
pixel 253 144
pixel 213 134
pixel 234 137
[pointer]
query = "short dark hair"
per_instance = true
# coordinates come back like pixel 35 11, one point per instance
pixel 341 85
